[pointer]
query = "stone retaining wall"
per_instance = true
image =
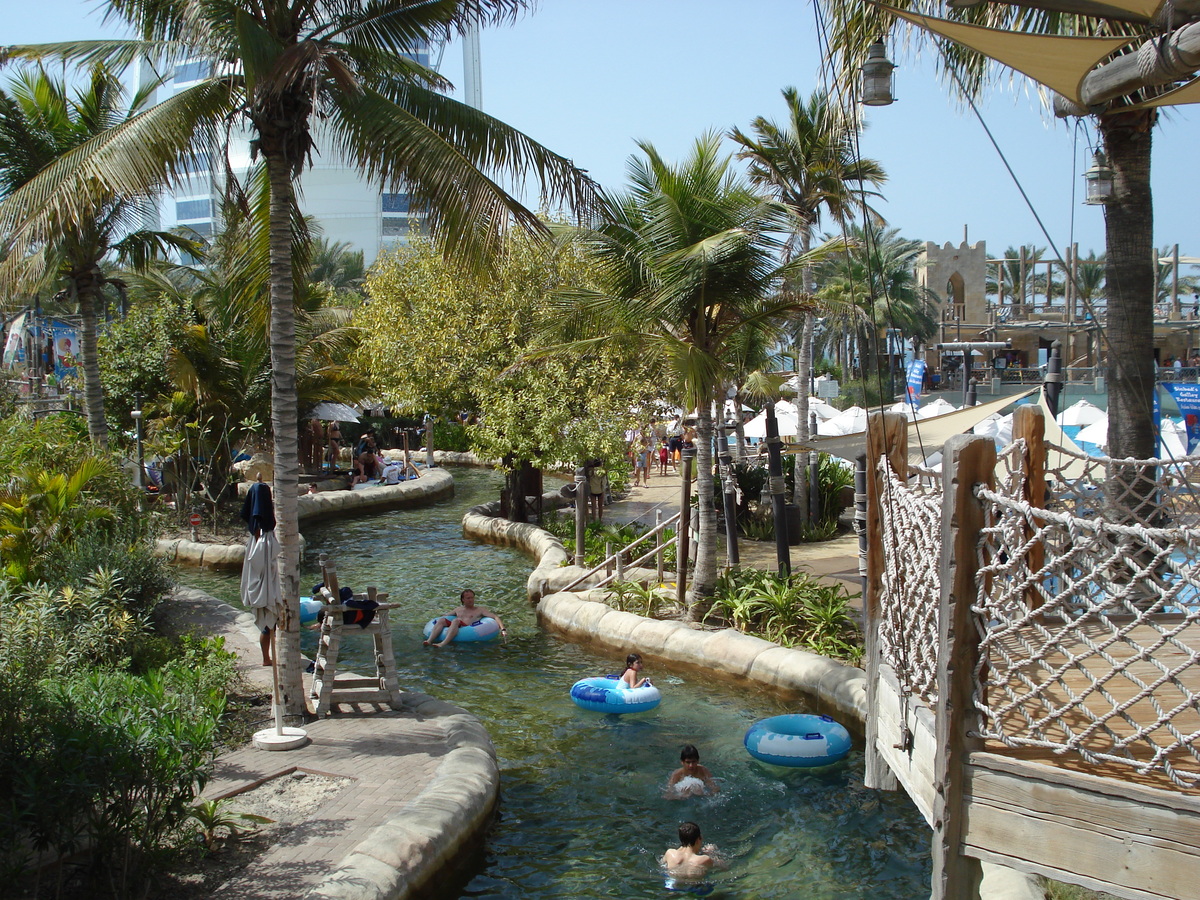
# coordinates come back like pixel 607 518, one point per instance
pixel 433 485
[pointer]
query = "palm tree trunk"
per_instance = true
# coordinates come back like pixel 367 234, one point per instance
pixel 804 363
pixel 84 285
pixel 284 419
pixel 704 579
pixel 1130 276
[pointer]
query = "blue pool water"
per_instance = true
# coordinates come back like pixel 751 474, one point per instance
pixel 581 813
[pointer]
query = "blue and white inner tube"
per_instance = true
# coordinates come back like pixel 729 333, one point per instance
pixel 609 694
pixel 486 629
pixel 797 740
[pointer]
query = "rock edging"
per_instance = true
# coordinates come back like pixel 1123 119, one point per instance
pixel 432 486
pixel 404 853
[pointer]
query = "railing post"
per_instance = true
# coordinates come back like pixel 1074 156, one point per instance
pixel 658 542
pixel 608 569
pixel 685 522
pixel 968 460
pixel 887 436
pixel 581 513
pixel 814 476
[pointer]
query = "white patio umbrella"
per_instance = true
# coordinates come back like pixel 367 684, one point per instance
pixel 1174 439
pixel 938 407
pixel 850 421
pixel 334 412
pixel 1081 413
pixel 905 408
pixel 757 427
pixel 1096 433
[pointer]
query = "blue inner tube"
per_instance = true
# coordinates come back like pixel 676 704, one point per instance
pixel 608 694
pixel 486 629
pixel 797 740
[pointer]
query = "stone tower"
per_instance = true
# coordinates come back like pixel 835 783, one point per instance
pixel 957 276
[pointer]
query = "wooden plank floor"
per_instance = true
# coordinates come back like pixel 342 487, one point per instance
pixel 1055 713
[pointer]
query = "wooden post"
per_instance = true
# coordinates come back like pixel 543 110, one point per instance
pixel 685 522
pixel 1029 423
pixel 968 460
pixel 887 436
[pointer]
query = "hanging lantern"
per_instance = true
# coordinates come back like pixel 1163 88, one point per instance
pixel 1099 180
pixel 877 76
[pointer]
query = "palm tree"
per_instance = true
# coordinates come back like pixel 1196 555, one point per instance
pixel 1129 218
pixel 811 165
pixel 688 267
pixel 40 123
pixel 282 64
pixel 872 286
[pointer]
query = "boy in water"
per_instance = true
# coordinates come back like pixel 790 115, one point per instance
pixel 691 779
pixel 691 861
pixel 465 615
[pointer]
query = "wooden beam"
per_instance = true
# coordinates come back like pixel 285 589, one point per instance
pixel 968 460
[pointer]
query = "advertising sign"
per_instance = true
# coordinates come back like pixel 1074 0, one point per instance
pixel 916 381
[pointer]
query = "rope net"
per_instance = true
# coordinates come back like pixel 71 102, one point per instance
pixel 911 585
pixel 1088 613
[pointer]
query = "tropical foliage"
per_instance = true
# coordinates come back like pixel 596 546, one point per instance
pixel 432 315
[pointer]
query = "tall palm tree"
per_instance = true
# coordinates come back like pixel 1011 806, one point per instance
pixel 872 286
pixel 811 164
pixel 40 123
pixel 1129 219
pixel 280 66
pixel 688 265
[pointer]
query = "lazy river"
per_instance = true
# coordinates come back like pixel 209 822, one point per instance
pixel 581 812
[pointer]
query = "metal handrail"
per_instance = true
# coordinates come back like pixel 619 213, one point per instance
pixel 614 559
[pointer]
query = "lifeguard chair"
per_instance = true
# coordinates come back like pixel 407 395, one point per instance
pixel 327 689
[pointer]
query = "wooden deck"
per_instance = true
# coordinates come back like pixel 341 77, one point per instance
pixel 1063 679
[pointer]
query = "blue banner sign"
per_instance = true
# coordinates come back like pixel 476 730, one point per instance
pixel 916 381
pixel 1187 396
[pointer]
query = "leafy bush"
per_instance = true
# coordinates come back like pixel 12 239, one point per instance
pixel 124 550
pixel 798 611
pixel 451 436
pixel 651 601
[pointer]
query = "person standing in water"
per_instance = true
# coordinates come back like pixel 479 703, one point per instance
pixel 692 859
pixel 691 779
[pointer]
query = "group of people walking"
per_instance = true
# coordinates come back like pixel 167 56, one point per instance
pixel 651 446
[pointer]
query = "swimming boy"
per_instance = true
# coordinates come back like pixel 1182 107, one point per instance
pixel 691 779
pixel 691 860
pixel 465 615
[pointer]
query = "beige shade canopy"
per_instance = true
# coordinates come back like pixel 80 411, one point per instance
pixel 1060 63
pixel 1188 93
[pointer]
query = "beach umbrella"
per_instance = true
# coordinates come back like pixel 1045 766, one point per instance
pixel 334 412
pixel 850 421
pixel 1081 413
pixel 1174 439
pixel 938 407
pixel 757 427
pixel 1096 433
pixel 905 408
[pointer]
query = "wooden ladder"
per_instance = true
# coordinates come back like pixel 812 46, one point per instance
pixel 328 690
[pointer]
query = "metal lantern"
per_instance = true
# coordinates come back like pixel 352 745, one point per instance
pixel 1099 180
pixel 877 77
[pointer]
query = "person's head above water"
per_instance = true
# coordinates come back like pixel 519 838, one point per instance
pixel 689 753
pixel 467 597
pixel 632 659
pixel 689 834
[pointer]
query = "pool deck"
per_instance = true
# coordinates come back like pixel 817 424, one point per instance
pixel 425 777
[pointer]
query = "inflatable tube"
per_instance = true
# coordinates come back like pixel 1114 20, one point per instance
pixel 608 694
pixel 308 609
pixel 486 629
pixel 797 740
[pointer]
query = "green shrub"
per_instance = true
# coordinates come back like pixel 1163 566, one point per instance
pixel 647 600
pixel 451 436
pixel 122 549
pixel 798 611
pixel 598 534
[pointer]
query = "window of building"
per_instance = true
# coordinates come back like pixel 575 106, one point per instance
pixel 193 209
pixel 192 71
pixel 395 203
pixel 197 163
pixel 396 226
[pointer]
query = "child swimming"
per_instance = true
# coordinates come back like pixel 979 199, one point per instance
pixel 691 779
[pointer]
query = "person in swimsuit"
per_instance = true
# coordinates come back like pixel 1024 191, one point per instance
pixel 691 861
pixel 465 615
pixel 633 665
pixel 691 779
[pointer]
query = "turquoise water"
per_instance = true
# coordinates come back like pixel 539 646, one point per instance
pixel 581 813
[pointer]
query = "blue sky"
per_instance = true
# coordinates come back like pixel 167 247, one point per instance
pixel 589 77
